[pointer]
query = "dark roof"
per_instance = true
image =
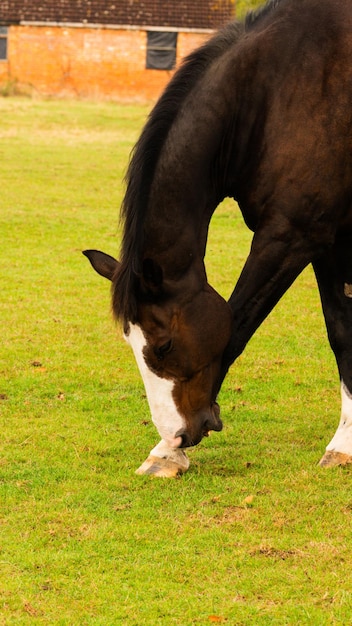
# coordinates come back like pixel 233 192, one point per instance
pixel 173 13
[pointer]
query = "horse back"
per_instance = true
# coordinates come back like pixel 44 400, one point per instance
pixel 297 115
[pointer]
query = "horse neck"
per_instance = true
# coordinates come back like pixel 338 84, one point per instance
pixel 202 161
pixel 185 190
pixel 179 212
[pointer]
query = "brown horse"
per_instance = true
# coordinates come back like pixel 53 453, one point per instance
pixel 261 113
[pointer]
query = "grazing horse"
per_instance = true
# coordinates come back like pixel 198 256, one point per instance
pixel 261 113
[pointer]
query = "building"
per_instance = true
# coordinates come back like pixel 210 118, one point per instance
pixel 119 49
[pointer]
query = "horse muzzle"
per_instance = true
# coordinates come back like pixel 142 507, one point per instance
pixel 209 421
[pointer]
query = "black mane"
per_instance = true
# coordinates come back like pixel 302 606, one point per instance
pixel 146 152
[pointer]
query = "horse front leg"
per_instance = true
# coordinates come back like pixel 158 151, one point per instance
pixel 334 277
pixel 275 260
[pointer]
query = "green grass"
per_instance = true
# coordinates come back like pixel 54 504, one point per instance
pixel 255 532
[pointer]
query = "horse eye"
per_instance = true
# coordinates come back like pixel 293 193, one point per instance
pixel 162 350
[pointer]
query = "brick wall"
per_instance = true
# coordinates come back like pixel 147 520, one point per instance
pixel 86 62
pixel 78 48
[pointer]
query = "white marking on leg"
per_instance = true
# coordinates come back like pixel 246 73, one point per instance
pixel 348 290
pixel 342 440
pixel 165 415
pixel 163 451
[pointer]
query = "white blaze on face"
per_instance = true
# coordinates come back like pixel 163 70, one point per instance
pixel 342 440
pixel 165 415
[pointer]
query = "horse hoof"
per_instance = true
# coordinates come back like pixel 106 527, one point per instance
pixel 160 468
pixel 332 459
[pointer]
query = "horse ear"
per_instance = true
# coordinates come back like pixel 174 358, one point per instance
pixel 152 274
pixel 103 263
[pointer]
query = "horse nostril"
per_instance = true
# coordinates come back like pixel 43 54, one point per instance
pixel 216 410
pixel 185 439
pixel 213 422
pixel 186 442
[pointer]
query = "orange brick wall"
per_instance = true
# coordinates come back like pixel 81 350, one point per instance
pixel 87 62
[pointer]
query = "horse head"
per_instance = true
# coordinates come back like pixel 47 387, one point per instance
pixel 178 339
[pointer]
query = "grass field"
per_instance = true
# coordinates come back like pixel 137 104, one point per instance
pixel 255 532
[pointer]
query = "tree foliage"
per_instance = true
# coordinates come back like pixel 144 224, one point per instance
pixel 243 6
